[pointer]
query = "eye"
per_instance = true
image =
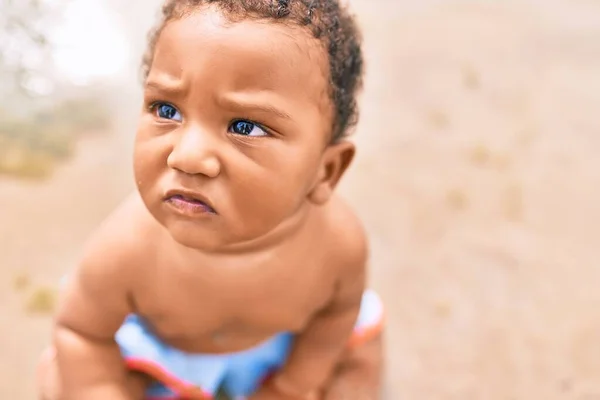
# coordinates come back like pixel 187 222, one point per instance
pixel 166 111
pixel 247 128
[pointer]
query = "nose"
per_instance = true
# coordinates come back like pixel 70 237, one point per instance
pixel 194 153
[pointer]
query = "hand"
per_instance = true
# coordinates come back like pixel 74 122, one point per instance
pixel 349 392
pixel 270 391
pixel 49 380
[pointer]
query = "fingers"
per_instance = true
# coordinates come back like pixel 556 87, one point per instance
pixel 47 377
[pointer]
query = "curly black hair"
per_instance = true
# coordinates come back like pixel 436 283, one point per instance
pixel 327 20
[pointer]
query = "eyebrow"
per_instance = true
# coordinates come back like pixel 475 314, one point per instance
pixel 172 87
pixel 256 107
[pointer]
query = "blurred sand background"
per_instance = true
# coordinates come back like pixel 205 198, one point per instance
pixel 477 178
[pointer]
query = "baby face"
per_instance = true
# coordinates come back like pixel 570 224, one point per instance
pixel 235 123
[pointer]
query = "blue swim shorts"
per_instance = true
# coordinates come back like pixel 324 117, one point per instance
pixel 200 376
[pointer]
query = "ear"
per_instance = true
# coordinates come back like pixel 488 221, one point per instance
pixel 336 160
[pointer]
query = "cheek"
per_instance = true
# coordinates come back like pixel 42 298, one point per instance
pixel 259 205
pixel 149 157
pixel 274 185
pixel 142 166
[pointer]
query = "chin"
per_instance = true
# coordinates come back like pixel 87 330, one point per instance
pixel 196 234
pixel 194 237
pixel 210 239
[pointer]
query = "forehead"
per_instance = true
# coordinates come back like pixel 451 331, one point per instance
pixel 247 55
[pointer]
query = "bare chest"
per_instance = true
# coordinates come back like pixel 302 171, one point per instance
pixel 232 304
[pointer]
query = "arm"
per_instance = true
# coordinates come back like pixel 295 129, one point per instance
pixel 92 309
pixel 317 350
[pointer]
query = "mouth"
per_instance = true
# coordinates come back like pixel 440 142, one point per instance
pixel 188 203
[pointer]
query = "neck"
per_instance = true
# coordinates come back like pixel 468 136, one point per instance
pixel 287 229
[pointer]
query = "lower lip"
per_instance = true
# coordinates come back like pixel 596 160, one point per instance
pixel 189 207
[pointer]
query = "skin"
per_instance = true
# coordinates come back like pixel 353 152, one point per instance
pixel 235 115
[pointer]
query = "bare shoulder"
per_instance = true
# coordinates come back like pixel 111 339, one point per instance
pixel 347 238
pixel 96 297
pixel 120 244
